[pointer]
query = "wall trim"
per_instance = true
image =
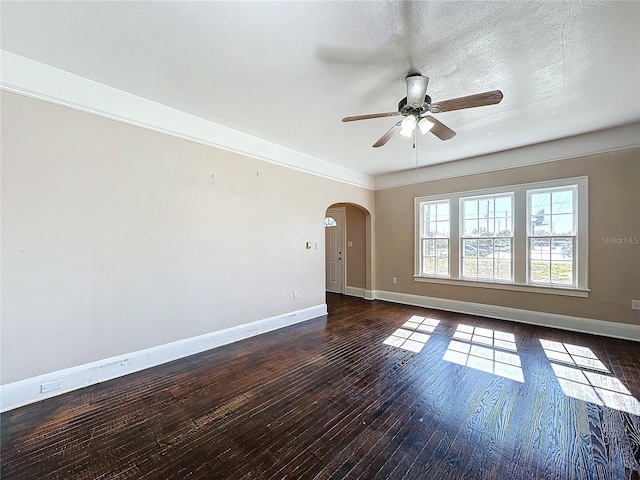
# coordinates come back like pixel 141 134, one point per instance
pixel 24 392
pixel 593 143
pixel 625 331
pixel 354 291
pixel 34 79
pixel 359 292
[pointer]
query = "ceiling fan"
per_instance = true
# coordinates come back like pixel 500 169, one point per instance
pixel 416 108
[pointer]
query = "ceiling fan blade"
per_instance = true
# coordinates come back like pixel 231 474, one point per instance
pixel 416 90
pixel 477 100
pixel 440 130
pixel 371 115
pixel 389 133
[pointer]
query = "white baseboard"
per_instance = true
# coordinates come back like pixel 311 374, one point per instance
pixel 358 292
pixel 30 390
pixel 624 331
pixel 354 291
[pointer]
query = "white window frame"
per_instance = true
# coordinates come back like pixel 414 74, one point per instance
pixel 419 222
pixel 520 251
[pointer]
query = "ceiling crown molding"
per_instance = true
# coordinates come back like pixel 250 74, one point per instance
pixel 34 79
pixel 618 138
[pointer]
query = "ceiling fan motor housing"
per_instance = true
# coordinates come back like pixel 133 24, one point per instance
pixel 405 109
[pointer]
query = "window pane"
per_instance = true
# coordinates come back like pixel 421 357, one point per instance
pixel 540 272
pixel 443 229
pixel 563 248
pixel 433 228
pixel 502 245
pixel 470 248
pixel 485 247
pixel 429 266
pixel 470 228
pixel 562 202
pixel 429 212
pixel 540 204
pixel 503 269
pixel 503 207
pixel 470 208
pixel 562 224
pixel 469 267
pixel 443 211
pixel 483 227
pixel 562 272
pixel 540 224
pixel 428 247
pixel 330 222
pixel 485 208
pixel 435 219
pixel 485 268
pixel 503 227
pixel 540 249
pixel 443 265
pixel 561 261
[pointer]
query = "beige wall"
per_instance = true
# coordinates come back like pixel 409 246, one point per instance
pixel 614 211
pixel 116 238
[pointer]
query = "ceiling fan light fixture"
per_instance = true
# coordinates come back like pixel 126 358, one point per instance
pixel 408 125
pixel 416 89
pixel 425 125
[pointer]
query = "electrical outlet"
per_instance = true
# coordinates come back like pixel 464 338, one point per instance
pixel 295 294
pixel 635 304
pixel 394 280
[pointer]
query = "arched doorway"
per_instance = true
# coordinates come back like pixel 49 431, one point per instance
pixel 348 250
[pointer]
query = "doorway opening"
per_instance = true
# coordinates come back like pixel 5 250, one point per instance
pixel 348 250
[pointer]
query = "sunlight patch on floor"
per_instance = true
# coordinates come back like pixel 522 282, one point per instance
pixel 572 364
pixel 486 350
pixel 413 335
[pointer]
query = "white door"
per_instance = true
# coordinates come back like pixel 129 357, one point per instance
pixel 334 246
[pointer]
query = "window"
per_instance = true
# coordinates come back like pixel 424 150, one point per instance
pixel 551 235
pixel 487 237
pixel 530 237
pixel 330 222
pixel 434 242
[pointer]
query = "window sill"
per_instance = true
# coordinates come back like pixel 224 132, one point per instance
pixel 567 291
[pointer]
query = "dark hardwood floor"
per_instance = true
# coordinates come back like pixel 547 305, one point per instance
pixel 463 398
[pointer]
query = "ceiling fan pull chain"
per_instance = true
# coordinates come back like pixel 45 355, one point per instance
pixel 417 152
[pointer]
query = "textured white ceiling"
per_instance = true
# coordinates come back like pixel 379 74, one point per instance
pixel 287 72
